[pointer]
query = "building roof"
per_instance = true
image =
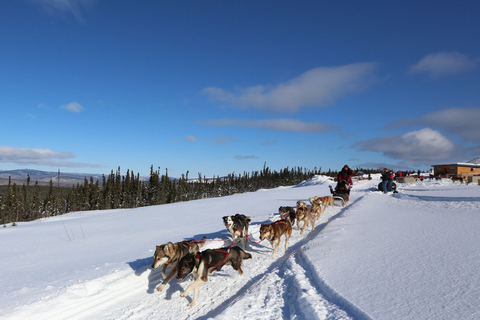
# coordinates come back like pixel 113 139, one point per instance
pixel 472 163
pixel 475 161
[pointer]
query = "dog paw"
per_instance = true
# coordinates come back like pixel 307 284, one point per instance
pixel 183 295
pixel 160 287
pixel 191 304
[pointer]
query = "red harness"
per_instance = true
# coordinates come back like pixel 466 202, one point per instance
pixel 225 258
pixel 280 222
pixel 217 250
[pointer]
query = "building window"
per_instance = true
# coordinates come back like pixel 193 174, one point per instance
pixel 452 170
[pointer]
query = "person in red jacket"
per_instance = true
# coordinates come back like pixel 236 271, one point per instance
pixel 346 174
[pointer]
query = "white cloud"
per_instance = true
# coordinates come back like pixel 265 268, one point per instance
pixel 44 157
pixel 459 121
pixel 444 63
pixel 422 146
pixel 62 7
pixel 290 125
pixel 315 88
pixel 73 107
pixel 10 154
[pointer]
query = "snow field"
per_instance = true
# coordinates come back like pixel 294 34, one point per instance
pixel 403 256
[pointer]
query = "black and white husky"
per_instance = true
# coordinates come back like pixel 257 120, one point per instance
pixel 237 225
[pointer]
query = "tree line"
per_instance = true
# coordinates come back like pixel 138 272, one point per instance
pixel 30 202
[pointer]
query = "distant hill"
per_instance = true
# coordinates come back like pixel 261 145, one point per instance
pixel 44 177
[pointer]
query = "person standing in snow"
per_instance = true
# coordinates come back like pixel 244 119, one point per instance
pixel 390 180
pixel 387 180
pixel 346 174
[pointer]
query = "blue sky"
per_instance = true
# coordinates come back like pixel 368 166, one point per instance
pixel 216 87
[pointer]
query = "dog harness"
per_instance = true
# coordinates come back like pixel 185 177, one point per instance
pixel 225 258
pixel 219 264
pixel 235 229
pixel 280 222
pixel 284 215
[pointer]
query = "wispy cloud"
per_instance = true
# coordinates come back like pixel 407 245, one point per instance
pixel 44 157
pixel 42 106
pixel 315 88
pixel 219 140
pixel 459 121
pixel 73 107
pixel 268 143
pixel 191 138
pixel 239 157
pixel 66 7
pixel 290 125
pixel 444 63
pixel 415 147
pixel 225 140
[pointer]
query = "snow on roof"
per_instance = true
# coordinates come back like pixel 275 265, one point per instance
pixel 475 161
pixel 472 163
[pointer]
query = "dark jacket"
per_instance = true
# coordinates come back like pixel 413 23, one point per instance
pixel 387 176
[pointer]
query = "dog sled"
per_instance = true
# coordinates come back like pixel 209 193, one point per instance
pixel 341 193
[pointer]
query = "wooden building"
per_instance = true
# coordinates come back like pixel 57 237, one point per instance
pixel 461 169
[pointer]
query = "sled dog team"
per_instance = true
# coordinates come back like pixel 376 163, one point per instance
pixel 185 257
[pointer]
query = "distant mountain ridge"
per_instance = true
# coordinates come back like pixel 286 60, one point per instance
pixel 44 177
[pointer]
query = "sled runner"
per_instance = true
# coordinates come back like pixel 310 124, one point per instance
pixel 340 200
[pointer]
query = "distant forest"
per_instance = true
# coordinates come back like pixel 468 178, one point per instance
pixel 32 201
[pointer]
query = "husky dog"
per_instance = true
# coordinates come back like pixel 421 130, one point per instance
pixel 308 217
pixel 237 225
pixel 273 232
pixel 324 201
pixel 301 204
pixel 169 254
pixel 327 200
pixel 312 199
pixel 204 263
pixel 317 208
pixel 288 213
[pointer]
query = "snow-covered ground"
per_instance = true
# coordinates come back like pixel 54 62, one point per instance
pixel 411 255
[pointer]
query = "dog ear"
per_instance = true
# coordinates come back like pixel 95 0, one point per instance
pixel 168 248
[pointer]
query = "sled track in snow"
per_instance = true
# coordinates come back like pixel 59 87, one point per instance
pixel 287 287
pixel 306 296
